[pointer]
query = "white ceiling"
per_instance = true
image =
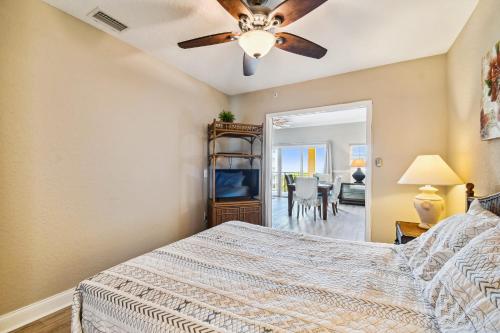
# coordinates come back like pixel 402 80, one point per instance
pixel 321 116
pixel 357 33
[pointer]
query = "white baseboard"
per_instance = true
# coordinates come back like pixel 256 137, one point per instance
pixel 25 315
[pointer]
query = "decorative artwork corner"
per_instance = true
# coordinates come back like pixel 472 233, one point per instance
pixel 490 103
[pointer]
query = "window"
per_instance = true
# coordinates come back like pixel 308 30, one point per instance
pixel 291 159
pixel 297 160
pixel 321 159
pixel 358 152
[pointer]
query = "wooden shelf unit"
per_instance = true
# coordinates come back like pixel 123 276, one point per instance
pixel 240 209
pixel 235 155
pixel 235 130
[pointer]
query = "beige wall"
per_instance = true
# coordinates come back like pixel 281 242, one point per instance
pixel 474 160
pixel 101 152
pixel 409 118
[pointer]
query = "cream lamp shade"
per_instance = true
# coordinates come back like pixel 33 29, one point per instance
pixel 358 163
pixel 429 170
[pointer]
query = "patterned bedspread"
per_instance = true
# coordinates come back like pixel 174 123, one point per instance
pixel 239 277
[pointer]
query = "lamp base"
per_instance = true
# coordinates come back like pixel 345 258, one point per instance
pixel 358 176
pixel 429 206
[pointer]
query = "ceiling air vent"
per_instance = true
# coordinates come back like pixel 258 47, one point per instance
pixel 104 18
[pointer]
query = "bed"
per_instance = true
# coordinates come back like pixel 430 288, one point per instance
pixel 239 277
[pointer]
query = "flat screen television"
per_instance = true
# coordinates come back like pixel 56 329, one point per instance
pixel 236 183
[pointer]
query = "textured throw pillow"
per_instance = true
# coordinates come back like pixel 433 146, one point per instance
pixel 416 246
pixel 476 209
pixel 465 293
pixel 429 252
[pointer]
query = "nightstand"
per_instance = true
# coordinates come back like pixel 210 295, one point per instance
pixel 406 231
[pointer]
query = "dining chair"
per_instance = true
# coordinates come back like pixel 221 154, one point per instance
pixel 289 179
pixel 306 195
pixel 323 177
pixel 334 196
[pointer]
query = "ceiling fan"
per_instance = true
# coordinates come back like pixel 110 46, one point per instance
pixel 257 37
pixel 281 122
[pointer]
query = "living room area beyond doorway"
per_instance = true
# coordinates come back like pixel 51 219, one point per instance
pixel 320 160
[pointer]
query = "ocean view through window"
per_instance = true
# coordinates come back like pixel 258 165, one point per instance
pixel 296 160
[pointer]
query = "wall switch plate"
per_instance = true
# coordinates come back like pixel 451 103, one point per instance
pixel 379 162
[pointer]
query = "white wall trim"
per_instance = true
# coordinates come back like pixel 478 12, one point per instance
pixel 25 315
pixel 268 144
pixel 369 170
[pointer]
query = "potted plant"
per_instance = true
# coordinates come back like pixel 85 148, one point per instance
pixel 226 116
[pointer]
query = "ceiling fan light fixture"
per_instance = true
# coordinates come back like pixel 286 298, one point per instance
pixel 257 43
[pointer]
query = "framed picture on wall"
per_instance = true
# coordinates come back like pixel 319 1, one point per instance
pixel 490 103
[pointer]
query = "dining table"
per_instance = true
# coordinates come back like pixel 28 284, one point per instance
pixel 323 188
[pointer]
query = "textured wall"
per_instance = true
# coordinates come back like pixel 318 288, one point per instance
pixel 474 160
pixel 409 118
pixel 101 152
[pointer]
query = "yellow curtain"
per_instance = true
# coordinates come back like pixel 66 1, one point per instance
pixel 311 161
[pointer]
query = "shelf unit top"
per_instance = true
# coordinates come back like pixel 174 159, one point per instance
pixel 234 130
pixel 235 155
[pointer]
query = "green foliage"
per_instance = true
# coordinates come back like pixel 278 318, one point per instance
pixel 226 116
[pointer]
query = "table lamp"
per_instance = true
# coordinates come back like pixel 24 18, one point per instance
pixel 358 175
pixel 429 170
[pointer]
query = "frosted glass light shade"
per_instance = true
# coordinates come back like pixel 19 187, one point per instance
pixel 358 163
pixel 430 170
pixel 257 43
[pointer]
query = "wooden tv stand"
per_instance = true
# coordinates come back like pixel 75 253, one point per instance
pixel 246 210
pixel 234 209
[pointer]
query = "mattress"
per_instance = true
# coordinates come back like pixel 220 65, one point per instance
pixel 239 277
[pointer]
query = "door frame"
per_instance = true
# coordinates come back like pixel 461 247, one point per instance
pixel 268 140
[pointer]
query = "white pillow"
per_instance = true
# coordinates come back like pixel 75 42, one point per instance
pixel 476 209
pixel 429 252
pixel 465 293
pixel 427 239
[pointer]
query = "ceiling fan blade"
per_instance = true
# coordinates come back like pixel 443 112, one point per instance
pixel 208 40
pixel 236 8
pixel 295 44
pixel 249 65
pixel 291 10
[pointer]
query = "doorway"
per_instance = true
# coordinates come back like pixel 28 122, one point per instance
pixel 333 145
